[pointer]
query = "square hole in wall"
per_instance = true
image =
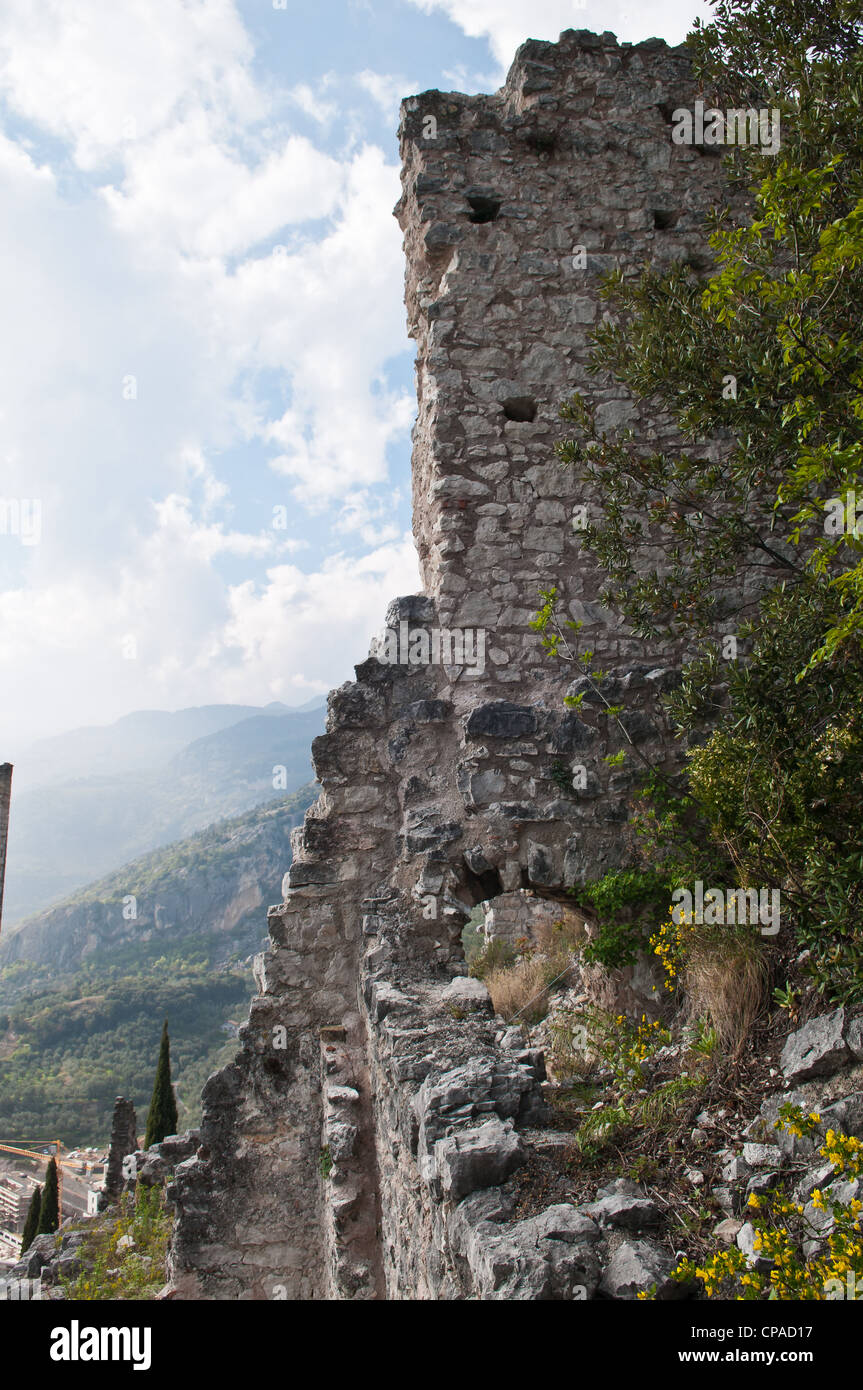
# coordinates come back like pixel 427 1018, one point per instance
pixel 663 221
pixel 521 408
pixel 483 208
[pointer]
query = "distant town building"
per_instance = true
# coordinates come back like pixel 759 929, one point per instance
pixel 80 1196
pixel 16 1189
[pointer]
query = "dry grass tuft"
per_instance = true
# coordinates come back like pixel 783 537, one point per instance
pixel 521 989
pixel 560 938
pixel 725 979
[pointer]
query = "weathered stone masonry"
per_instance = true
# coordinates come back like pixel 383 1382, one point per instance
pixel 359 1145
pixel 5 795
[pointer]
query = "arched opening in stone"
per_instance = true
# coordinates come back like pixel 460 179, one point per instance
pixel 521 408
pixel 472 934
pixel 663 220
pixel 483 207
pixel 515 925
pixel 482 886
pixel 479 886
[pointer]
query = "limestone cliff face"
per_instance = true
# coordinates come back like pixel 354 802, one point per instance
pixel 357 1145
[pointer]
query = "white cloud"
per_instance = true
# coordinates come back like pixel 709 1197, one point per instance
pixel 330 314
pixel 178 529
pixel 90 313
pixel 339 608
pixel 385 89
pixel 151 268
pixel 507 23
pixel 201 198
pixel 312 103
pixel 103 75
pixel 372 519
pixel 15 162
pixel 195 641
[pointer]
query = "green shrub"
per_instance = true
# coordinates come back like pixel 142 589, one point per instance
pixel 626 903
pixel 759 574
pixel 136 1272
pixel 781 783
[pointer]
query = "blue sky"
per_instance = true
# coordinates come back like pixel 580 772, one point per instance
pixel 206 387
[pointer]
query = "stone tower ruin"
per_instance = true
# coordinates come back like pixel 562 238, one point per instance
pixel 357 1145
pixel 5 798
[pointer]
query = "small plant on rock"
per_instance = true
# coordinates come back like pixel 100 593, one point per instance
pixel 627 1047
pixel 126 1257
pixel 494 955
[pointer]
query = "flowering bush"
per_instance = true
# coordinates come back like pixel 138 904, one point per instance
pixel 626 1045
pixel 637 1042
pixel 669 944
pixel 781 1228
pixel 722 968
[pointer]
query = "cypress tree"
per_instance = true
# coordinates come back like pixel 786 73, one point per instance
pixel 31 1224
pixel 49 1211
pixel 162 1115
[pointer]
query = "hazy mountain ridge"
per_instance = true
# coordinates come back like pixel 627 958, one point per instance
pixel 65 834
pixel 134 742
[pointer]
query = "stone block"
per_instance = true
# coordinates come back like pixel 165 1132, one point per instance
pixel 501 719
pixel 467 993
pixel 475 1158
pixel 816 1049
pixel 639 1267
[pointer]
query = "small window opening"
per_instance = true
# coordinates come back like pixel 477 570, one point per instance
pixel 520 408
pixel 483 886
pixel 664 221
pixel 482 208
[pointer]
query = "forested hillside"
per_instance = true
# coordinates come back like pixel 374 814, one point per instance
pixel 84 989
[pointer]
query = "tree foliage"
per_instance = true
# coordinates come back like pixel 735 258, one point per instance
pixel 162 1114
pixel 49 1209
pixel 778 313
pixel 31 1222
pixel 758 358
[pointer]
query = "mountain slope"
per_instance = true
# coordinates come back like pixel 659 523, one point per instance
pixel 65 834
pixel 84 989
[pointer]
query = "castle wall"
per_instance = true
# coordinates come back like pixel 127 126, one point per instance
pixel 357 1146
